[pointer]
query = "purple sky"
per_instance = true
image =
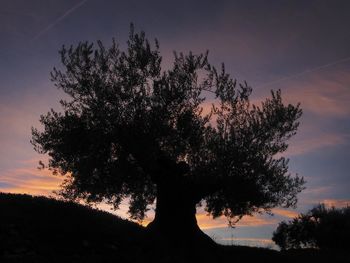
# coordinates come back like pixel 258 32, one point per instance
pixel 300 47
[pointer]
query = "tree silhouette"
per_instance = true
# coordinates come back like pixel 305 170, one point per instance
pixel 129 129
pixel 321 227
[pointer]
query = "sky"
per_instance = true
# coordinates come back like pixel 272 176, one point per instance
pixel 300 47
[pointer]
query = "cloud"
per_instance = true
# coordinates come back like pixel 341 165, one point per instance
pixel 285 213
pixel 18 114
pixel 15 122
pixel 336 202
pixel 315 142
pixel 30 181
pixel 324 96
pixel 324 93
pixel 316 191
pixel 256 221
pixel 207 222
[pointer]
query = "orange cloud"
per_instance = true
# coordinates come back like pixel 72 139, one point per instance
pixel 255 221
pixel 204 221
pixel 323 93
pixel 123 211
pixel 207 222
pixel 285 212
pixel 30 181
pixel 336 202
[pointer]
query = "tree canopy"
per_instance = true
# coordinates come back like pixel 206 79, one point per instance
pixel 129 128
pixel 321 227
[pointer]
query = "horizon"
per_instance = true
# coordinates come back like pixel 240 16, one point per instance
pixel 300 48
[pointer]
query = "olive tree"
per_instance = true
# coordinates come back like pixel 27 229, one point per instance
pixel 179 137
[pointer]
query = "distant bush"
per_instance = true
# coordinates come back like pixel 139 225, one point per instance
pixel 319 228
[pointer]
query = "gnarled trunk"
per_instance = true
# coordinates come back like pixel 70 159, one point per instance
pixel 175 218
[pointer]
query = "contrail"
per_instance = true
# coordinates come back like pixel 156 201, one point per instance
pixel 306 72
pixel 63 16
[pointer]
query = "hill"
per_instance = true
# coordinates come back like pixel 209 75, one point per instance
pixel 40 229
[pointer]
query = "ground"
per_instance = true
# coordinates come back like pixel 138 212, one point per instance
pixel 39 229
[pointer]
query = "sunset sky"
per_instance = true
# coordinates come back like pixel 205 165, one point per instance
pixel 300 47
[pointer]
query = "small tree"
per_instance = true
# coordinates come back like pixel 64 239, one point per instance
pixel 130 130
pixel 319 228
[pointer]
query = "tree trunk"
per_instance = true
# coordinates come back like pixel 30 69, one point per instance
pixel 175 218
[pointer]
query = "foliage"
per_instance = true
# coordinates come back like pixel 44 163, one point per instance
pixel 320 227
pixel 129 128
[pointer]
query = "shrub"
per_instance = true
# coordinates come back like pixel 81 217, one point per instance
pixel 321 227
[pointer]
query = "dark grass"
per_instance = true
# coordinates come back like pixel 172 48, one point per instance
pixel 39 229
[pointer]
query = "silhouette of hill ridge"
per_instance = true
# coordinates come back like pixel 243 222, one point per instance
pixel 40 229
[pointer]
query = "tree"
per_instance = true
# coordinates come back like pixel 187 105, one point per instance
pixel 321 227
pixel 132 130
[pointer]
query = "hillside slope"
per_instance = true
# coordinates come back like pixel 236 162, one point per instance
pixel 38 228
